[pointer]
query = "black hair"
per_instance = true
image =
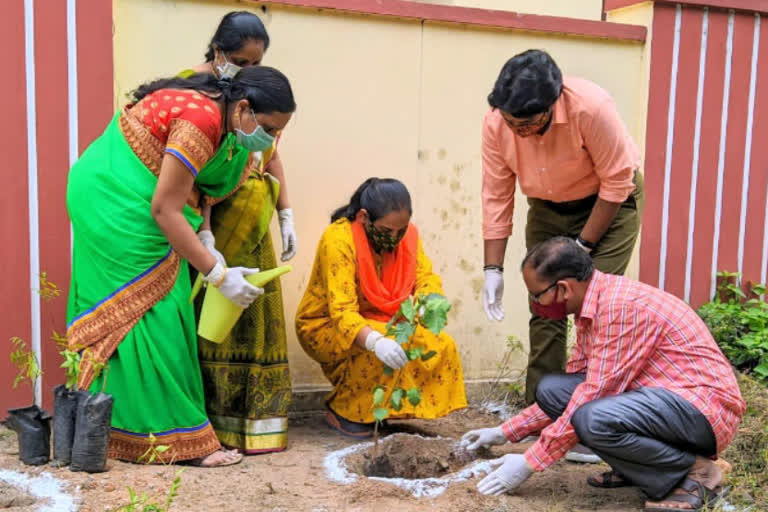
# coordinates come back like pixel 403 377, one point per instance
pixel 266 89
pixel 558 258
pixel 379 196
pixel 235 28
pixel 528 84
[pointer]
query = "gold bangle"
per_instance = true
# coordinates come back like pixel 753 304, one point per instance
pixel 223 275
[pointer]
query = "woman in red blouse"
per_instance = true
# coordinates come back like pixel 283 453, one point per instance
pixel 136 199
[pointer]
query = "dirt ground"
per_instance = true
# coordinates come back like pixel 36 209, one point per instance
pixel 295 480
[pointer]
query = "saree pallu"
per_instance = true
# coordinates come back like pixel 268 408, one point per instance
pixel 246 377
pixel 128 304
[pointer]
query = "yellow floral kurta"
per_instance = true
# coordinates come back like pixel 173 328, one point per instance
pixel 329 318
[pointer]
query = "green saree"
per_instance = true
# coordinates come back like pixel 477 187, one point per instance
pixel 128 301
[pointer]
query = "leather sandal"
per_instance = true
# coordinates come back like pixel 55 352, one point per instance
pixel 696 495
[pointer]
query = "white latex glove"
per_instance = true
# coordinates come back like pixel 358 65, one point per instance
pixel 493 289
pixel 513 471
pixel 288 231
pixel 209 242
pixel 233 285
pixel 483 437
pixel 387 350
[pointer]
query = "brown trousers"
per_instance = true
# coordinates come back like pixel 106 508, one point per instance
pixel 547 219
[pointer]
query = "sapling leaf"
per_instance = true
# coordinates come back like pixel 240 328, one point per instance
pixel 388 371
pixel 71 367
pixel 378 395
pixel 60 340
pixel 429 355
pixel 48 290
pixel 414 396
pixel 403 332
pixel 25 360
pixel 436 313
pixel 432 296
pixel 397 398
pixel 162 448
pixel 414 353
pixel 380 414
pixel 408 310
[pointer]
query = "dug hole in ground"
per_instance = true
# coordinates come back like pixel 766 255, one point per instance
pixel 297 479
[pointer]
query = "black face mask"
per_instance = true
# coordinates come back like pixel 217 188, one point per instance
pixel 382 242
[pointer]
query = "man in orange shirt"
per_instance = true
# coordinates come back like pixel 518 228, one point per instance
pixel 563 141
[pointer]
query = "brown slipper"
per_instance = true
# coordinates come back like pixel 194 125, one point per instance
pixel 608 480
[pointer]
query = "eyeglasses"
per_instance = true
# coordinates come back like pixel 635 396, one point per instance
pixel 534 120
pixel 536 296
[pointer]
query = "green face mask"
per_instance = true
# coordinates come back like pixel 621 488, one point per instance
pixel 382 242
pixel 257 140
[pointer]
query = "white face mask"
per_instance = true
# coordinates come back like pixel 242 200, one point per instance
pixel 227 70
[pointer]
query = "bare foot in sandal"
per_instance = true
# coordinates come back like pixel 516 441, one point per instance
pixel 701 487
pixel 219 458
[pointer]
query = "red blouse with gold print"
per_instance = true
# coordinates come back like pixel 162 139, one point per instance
pixel 183 123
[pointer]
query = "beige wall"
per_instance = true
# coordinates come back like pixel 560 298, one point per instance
pixel 383 97
pixel 583 9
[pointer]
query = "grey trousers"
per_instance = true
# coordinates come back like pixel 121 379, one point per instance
pixel 649 436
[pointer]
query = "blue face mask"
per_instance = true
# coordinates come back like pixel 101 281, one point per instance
pixel 257 140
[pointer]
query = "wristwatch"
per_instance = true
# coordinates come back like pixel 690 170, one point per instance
pixel 584 244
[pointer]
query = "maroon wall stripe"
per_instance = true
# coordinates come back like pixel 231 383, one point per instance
pixel 656 139
pixel 743 30
pixel 758 176
pixel 706 193
pixel 95 74
pixel 682 156
pixel 14 217
pixel 53 166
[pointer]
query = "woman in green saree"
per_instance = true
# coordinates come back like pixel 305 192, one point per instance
pixel 246 378
pixel 136 198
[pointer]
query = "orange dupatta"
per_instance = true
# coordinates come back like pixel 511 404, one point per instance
pixel 398 272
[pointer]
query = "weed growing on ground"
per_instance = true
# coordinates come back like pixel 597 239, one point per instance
pixel 505 393
pixel 748 453
pixel 143 502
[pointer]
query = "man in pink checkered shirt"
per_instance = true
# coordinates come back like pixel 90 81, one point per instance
pixel 646 387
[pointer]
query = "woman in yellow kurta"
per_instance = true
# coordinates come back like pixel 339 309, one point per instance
pixel 340 326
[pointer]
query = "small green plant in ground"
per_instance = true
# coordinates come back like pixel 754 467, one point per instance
pixel 505 393
pixel 143 502
pixel 429 311
pixel 739 325
pixel 154 452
